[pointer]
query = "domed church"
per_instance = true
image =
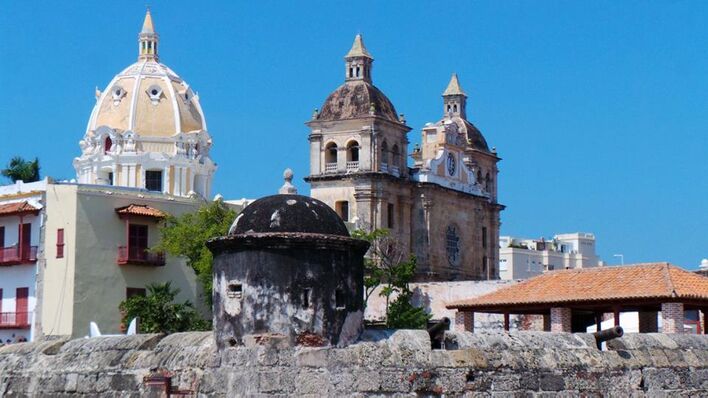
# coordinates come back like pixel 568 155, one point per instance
pixel 147 129
pixel 443 209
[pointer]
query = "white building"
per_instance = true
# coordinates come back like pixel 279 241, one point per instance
pixel 72 251
pixel 20 240
pixel 524 258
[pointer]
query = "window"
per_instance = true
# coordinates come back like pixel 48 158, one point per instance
pixel 384 153
pixel 235 291
pixel 484 236
pixel 2 237
pixel 331 153
pixel 110 178
pixel 487 183
pixel 353 151
pixel 390 215
pixel 484 266
pixel 60 243
pixel 306 298
pixel 153 180
pixel 452 245
pixel 21 305
pixel 135 291
pixel 25 235
pixel 107 145
pixel 137 241
pixel 342 208
pixel 339 299
pixel 395 154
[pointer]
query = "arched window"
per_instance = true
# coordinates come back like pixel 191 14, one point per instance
pixel 331 157
pixel 107 144
pixel 384 153
pixel 479 176
pixel 396 155
pixel 487 182
pixel 353 151
pixel 454 108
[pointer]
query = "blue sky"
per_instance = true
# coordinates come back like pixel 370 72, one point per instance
pixel 598 109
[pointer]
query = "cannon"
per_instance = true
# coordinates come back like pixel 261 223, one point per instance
pixel 437 332
pixel 607 334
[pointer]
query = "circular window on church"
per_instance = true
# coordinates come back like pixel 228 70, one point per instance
pixel 452 245
pixel 451 164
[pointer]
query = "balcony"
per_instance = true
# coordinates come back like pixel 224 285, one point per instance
pixel 384 167
pixel 330 167
pixel 395 171
pixel 14 320
pixel 352 166
pixel 15 255
pixel 139 256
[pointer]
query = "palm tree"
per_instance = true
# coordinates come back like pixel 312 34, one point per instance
pixel 21 169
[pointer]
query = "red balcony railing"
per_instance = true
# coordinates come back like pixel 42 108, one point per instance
pixel 139 256
pixel 18 255
pixel 14 320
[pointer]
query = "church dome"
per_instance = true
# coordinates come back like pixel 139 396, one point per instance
pixel 357 98
pixel 474 137
pixel 147 97
pixel 288 214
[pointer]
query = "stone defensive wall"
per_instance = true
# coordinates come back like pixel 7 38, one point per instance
pixel 384 363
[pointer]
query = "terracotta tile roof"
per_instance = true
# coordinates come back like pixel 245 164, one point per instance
pixel 601 284
pixel 140 210
pixel 16 208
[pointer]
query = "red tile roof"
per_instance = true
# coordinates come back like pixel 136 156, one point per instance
pixel 600 284
pixel 17 208
pixel 140 210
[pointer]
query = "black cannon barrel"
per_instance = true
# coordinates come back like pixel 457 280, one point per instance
pixel 437 332
pixel 608 334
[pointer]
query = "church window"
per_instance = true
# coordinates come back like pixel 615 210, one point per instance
pixel 479 176
pixel 357 71
pixel 107 144
pixel 449 108
pixel 331 153
pixel 384 153
pixel 306 298
pixel 153 180
pixel 390 215
pixel 342 208
pixel 395 155
pixel 487 182
pixel 484 236
pixel 452 243
pixel 353 151
pixel 351 72
pixel 484 266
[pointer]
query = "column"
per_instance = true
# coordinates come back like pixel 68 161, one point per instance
pixel 672 317
pixel 464 321
pixel 560 320
pixel 648 322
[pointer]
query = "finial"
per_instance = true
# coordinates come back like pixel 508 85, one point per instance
pixel 315 114
pixel 372 109
pixel 288 188
pixel 453 88
pixel 402 118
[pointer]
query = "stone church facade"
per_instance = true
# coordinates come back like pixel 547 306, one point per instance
pixel 443 209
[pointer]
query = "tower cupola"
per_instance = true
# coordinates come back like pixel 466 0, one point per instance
pixel 358 61
pixel 454 99
pixel 147 40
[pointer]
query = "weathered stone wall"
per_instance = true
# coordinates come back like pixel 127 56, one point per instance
pixel 386 363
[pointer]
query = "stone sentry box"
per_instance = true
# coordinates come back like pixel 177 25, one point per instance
pixel 288 270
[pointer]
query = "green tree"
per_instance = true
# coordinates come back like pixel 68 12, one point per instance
pixel 158 313
pixel 187 234
pixel 21 169
pixel 388 266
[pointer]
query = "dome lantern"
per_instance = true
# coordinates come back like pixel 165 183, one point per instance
pixel 358 61
pixel 455 99
pixel 147 40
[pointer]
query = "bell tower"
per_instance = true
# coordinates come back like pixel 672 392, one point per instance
pixel 358 151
